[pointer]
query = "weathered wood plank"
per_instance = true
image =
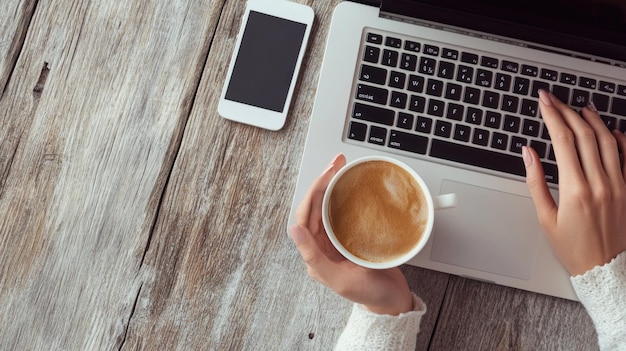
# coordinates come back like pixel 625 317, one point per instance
pixel 90 121
pixel 227 276
pixel 15 16
pixel 480 316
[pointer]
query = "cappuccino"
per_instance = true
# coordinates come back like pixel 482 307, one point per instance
pixel 378 211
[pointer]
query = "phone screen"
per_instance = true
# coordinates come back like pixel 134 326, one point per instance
pixel 266 61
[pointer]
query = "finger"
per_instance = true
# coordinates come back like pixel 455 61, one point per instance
pixel 606 143
pixel 621 143
pixel 562 138
pixel 309 212
pixel 319 266
pixel 538 187
pixel 585 140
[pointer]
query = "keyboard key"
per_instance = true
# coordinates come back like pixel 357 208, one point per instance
pixel 622 126
pixel 621 90
pixel 408 62
pixel 453 91
pixel 446 70
pixel 512 123
pixel 455 112
pixel 377 135
pixel 372 94
pixel 562 93
pixel 408 142
pixel 431 50
pixel 405 121
pixel 601 101
pixel 435 107
pixel 474 116
pixel 371 54
pixel 484 78
pixel 531 127
pixel 509 66
pixel 450 54
pixel 464 74
pixel 500 141
pixel 568 78
pixel 503 82
pixel 490 62
pixel 374 38
pixel 471 96
pixel 510 103
pixel 619 106
pixel 549 74
pixel 424 125
pixel 529 108
pixel 393 42
pixel 427 66
pixel 358 131
pixel 469 58
pixel 462 133
pixel 434 87
pixel 398 100
pixel 390 58
pixel 580 98
pixel 481 137
pixel 373 74
pixel 397 80
pixel 517 143
pixel 478 157
pixel 531 71
pixel 418 103
pixel 373 114
pixel 540 147
pixel 416 83
pixel 491 99
pixel 412 46
pixel 607 87
pixel 538 85
pixel 521 86
pixel 493 120
pixel 443 129
pixel 587 83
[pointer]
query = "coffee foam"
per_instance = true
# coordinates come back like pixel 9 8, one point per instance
pixel 378 211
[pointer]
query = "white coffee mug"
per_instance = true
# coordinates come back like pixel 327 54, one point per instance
pixel 433 204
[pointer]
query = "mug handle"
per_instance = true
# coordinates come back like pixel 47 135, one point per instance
pixel 444 201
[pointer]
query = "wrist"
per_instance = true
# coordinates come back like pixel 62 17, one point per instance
pixel 401 304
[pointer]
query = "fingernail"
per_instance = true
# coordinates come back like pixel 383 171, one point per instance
pixel 526 156
pixel 592 106
pixel 545 97
pixel 297 234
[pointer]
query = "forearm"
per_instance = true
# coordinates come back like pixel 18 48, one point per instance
pixel 370 331
pixel 602 291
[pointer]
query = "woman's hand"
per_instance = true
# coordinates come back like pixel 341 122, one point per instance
pixel 588 227
pixel 380 291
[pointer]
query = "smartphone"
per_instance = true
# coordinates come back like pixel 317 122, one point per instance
pixel 265 63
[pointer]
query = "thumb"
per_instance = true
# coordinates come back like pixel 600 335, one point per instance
pixel 308 247
pixel 536 182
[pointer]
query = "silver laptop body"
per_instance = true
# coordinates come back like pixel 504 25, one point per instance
pixel 438 69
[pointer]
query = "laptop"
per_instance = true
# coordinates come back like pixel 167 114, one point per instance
pixel 450 88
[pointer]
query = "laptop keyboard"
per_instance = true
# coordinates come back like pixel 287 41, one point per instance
pixel 460 106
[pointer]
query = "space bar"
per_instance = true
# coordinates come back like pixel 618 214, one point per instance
pixel 478 157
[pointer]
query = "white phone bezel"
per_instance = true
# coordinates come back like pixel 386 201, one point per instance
pixel 257 116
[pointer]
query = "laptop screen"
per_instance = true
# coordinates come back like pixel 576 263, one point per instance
pixel 596 27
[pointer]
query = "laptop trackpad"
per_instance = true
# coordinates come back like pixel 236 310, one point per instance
pixel 491 231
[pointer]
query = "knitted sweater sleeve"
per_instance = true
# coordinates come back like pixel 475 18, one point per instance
pixel 370 331
pixel 602 291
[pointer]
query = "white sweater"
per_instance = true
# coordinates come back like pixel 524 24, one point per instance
pixel 601 290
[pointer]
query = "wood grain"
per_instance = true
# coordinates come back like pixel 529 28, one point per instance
pixel 91 139
pixel 15 16
pixel 481 316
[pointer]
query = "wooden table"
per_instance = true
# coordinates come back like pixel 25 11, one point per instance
pixel 133 217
